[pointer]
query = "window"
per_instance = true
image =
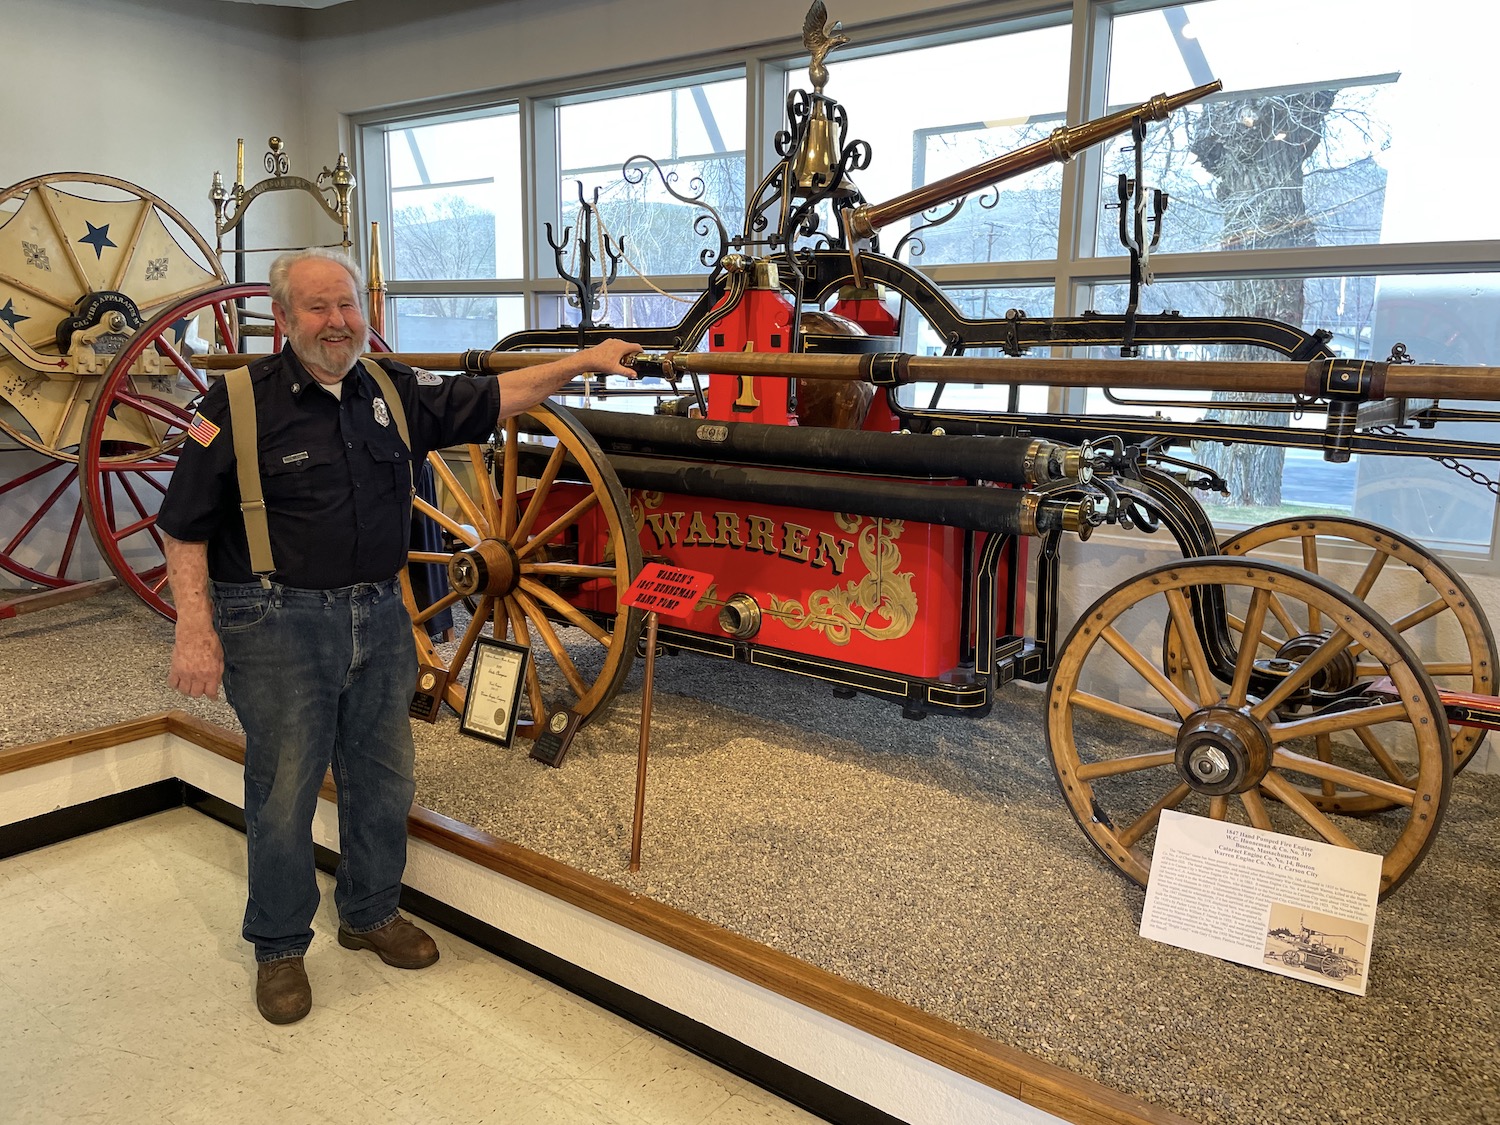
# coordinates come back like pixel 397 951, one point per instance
pixel 965 103
pixel 1318 188
pixel 696 136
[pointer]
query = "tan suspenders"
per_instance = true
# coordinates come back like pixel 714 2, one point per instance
pixel 247 460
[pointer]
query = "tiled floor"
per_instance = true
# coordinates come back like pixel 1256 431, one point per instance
pixel 126 996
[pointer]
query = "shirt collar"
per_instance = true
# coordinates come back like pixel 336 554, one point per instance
pixel 300 381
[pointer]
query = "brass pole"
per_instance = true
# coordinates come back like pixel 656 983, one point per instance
pixel 640 762
pixel 1319 377
pixel 863 221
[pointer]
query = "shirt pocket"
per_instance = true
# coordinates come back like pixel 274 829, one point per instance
pixel 395 459
pixel 290 480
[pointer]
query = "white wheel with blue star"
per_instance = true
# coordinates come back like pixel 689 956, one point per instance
pixel 85 261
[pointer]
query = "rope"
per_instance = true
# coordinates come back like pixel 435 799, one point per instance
pixel 629 261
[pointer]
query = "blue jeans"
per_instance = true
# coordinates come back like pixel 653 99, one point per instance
pixel 320 677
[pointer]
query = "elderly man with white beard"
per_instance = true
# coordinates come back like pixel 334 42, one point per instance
pixel 313 645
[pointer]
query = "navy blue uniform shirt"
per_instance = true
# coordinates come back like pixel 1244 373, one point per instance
pixel 335 473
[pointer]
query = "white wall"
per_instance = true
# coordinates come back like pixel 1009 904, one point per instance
pixel 150 91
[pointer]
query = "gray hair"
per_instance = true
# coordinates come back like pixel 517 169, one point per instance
pixel 281 289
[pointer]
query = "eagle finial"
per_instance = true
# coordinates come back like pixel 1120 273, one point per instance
pixel 819 39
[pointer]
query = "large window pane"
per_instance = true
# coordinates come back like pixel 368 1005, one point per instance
pixel 976 303
pixel 1448 319
pixel 452 324
pixel 695 133
pixel 1331 130
pixel 455 200
pixel 931 112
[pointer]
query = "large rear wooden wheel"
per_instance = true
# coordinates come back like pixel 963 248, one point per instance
pixel 541 559
pixel 1246 743
pixel 1422 597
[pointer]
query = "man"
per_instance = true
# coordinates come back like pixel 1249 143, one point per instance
pixel 318 660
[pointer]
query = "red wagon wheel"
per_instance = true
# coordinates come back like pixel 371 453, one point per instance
pixel 85 259
pixel 134 431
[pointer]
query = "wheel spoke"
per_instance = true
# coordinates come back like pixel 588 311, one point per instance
pixel 509 480
pixel 170 414
pixel 1218 808
pixel 559 525
pixel 1148 671
pixel 449 480
pixel 118 281
pixel 1182 617
pixel 476 627
pixel 539 493
pixel 1310 564
pixel 572 570
pixel 1131 834
pixel 1285 759
pixel 1420 614
pixel 555 602
pixel 1383 757
pixel 1132 763
pixel 1371 572
pixel 463 534
pixel 543 626
pixel 1255 809
pixel 421 617
pixel 1143 719
pixel 186 369
pixel 533 677
pixel 1333 721
pixel 1244 662
pixel 1289 795
pixel 42 510
pixel 1279 612
pixel 1302 674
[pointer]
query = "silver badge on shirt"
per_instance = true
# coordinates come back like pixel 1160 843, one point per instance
pixel 427 378
pixel 382 412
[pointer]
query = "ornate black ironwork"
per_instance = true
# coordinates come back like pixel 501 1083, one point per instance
pixel 585 296
pixel 703 225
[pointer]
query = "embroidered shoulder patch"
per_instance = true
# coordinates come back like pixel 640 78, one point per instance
pixel 427 378
pixel 202 430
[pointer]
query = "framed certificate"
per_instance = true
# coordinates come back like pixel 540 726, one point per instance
pixel 497 673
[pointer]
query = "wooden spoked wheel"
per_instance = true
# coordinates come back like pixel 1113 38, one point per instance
pixel 135 427
pixel 1420 595
pixel 85 260
pixel 541 559
pixel 1244 744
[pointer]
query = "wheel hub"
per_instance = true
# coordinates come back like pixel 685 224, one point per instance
pixel 489 569
pixel 1221 750
pixel 1336 676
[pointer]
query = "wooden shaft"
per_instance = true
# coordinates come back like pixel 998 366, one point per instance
pixel 1255 376
pixel 30 603
pixel 1059 147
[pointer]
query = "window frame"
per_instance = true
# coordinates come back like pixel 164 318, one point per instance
pixel 1077 267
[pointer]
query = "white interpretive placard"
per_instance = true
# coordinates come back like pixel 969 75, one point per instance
pixel 1300 908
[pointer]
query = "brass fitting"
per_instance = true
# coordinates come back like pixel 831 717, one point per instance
pixel 740 617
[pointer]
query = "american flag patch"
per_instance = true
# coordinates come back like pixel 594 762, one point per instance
pixel 202 430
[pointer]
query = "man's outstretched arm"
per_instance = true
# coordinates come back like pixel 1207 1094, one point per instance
pixel 522 389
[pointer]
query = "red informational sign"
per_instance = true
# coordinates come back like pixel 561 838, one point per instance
pixel 667 590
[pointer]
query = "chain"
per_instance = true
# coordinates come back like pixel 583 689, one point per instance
pixel 1448 463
